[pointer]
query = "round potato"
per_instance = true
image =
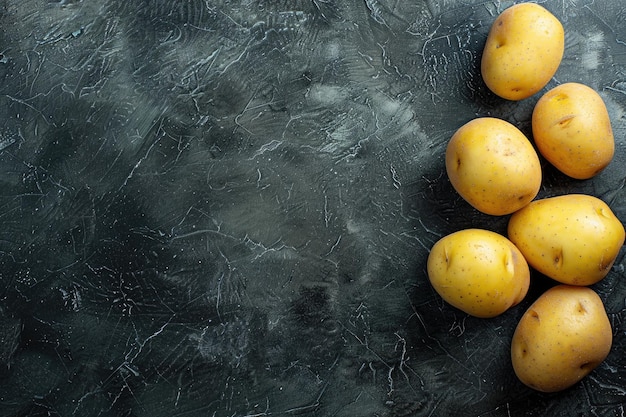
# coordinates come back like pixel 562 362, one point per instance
pixel 523 51
pixel 493 166
pixel 572 238
pixel 572 130
pixel 561 338
pixel 478 271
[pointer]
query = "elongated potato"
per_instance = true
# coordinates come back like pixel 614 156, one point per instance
pixel 572 238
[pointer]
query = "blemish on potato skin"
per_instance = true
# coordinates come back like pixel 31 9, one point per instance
pixel 580 307
pixel 605 264
pixel 523 348
pixel 565 121
pixel 601 212
pixel 558 258
pixel 447 256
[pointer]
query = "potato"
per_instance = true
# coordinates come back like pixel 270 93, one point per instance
pixel 571 238
pixel 523 51
pixel 478 271
pixel 493 166
pixel 561 338
pixel 572 130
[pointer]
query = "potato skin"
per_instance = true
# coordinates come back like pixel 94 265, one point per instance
pixel 523 51
pixel 561 338
pixel 493 166
pixel 478 271
pixel 572 130
pixel 573 238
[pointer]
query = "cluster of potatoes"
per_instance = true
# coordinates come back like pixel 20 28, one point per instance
pixel 573 239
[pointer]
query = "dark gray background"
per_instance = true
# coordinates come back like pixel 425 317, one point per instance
pixel 224 208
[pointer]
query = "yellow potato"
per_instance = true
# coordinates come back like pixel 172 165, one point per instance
pixel 572 238
pixel 561 338
pixel 572 130
pixel 478 271
pixel 523 51
pixel 493 166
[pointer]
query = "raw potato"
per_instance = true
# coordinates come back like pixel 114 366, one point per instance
pixel 572 238
pixel 572 130
pixel 493 166
pixel 523 51
pixel 561 338
pixel 478 271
